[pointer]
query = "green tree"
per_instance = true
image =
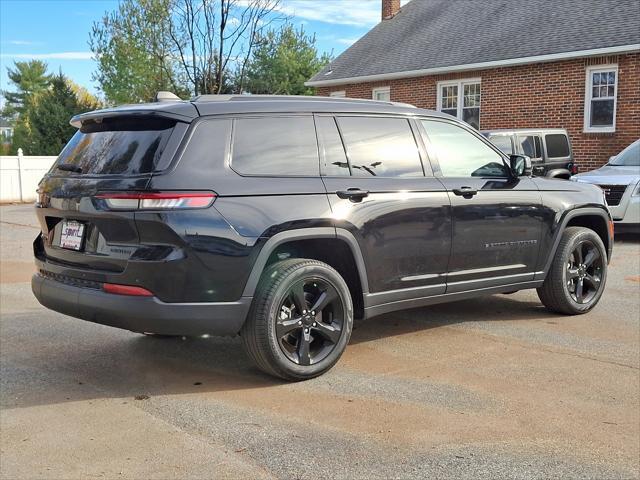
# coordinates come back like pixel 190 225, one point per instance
pixel 43 128
pixel 28 78
pixel 185 46
pixel 131 47
pixel 282 61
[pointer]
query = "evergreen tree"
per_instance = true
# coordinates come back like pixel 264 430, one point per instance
pixel 43 128
pixel 29 78
pixel 282 61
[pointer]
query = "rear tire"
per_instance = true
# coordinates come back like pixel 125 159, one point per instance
pixel 300 320
pixel 578 273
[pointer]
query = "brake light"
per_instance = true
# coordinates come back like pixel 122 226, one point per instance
pixel 126 290
pixel 156 200
pixel 573 169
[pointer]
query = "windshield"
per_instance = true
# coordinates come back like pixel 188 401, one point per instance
pixel 629 157
pixel 116 146
pixel 503 142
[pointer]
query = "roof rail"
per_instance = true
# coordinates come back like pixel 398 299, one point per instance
pixel 305 98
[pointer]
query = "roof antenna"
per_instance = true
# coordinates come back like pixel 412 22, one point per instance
pixel 166 97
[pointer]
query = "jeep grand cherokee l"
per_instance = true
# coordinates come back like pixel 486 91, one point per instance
pixel 284 218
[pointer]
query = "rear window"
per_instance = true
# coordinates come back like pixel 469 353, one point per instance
pixel 117 146
pixel 279 146
pixel 557 145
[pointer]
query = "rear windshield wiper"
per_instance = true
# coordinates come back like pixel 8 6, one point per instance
pixel 67 167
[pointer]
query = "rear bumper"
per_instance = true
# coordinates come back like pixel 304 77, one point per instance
pixel 141 314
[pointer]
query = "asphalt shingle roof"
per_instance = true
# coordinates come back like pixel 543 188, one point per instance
pixel 445 33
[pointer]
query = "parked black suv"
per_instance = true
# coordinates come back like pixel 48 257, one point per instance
pixel 284 218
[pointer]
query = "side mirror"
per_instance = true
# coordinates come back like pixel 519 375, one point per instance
pixel 520 165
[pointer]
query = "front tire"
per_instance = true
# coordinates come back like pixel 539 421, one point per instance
pixel 576 280
pixel 300 321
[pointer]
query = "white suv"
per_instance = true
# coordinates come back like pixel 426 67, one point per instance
pixel 620 180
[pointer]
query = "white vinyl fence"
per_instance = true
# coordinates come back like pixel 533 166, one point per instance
pixel 19 176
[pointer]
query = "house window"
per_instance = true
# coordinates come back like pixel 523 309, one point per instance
pixel 338 94
pixel 382 94
pixel 600 98
pixel 461 98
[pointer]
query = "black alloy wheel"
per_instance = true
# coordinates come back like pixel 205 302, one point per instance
pixel 300 320
pixel 576 279
pixel 584 272
pixel 310 321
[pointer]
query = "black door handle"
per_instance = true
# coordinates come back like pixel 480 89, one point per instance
pixel 353 194
pixel 466 192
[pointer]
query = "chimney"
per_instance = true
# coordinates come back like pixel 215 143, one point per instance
pixel 390 8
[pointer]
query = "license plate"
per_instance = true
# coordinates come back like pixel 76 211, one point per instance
pixel 72 234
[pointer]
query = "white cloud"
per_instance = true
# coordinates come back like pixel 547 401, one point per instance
pixel 51 56
pixel 23 42
pixel 357 13
pixel 347 41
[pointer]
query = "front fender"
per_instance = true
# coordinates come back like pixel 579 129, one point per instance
pixel 601 212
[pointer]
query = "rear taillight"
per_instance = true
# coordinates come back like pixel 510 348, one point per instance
pixel 573 169
pixel 156 200
pixel 126 290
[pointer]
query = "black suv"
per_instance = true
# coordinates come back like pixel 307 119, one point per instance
pixel 284 218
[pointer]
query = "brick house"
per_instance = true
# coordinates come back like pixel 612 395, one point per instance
pixel 571 64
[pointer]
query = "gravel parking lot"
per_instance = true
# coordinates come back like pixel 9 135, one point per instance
pixel 494 387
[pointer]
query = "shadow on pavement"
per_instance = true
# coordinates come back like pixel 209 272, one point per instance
pixel 70 360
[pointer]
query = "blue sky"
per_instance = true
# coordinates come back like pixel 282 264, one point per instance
pixel 57 31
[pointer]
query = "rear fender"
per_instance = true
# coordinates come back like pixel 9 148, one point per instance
pixel 560 173
pixel 305 234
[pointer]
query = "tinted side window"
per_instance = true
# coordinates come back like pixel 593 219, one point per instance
pixel 530 145
pixel 275 146
pixel 382 147
pixel 331 148
pixel 210 141
pixel 462 154
pixel 557 145
pixel 503 142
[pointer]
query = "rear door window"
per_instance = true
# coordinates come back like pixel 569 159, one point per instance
pixel 557 145
pixel 333 158
pixel 380 147
pixel 275 146
pixel 117 146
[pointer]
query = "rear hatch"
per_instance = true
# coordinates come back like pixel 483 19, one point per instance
pixel 112 153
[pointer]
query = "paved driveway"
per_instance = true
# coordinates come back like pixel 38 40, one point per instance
pixel 493 387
